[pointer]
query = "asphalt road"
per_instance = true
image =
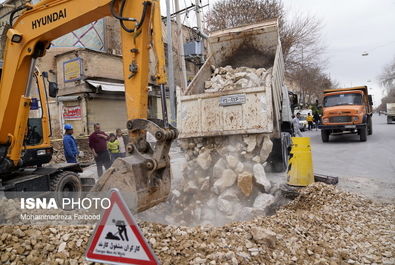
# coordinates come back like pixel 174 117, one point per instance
pixel 367 168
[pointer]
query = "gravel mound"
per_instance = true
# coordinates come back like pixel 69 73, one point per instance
pixel 322 226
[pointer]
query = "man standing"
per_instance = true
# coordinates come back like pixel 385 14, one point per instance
pixel 296 125
pixel 98 144
pixel 316 119
pixel 310 121
pixel 70 145
pixel 123 141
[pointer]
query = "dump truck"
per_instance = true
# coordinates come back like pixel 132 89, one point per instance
pixel 255 110
pixel 347 110
pixel 390 112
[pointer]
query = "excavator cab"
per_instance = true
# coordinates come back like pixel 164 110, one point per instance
pixel 37 147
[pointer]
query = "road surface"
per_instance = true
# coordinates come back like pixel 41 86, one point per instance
pixel 367 168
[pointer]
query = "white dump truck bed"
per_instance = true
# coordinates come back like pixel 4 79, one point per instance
pixel 241 111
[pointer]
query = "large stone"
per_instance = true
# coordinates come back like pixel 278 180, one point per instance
pixel 239 75
pixel 255 80
pixel 260 177
pixel 62 247
pixel 228 201
pixel 266 149
pixel 232 161
pixel 260 72
pixel 256 159
pixel 239 167
pixel 228 179
pixel 204 159
pixel 244 182
pixel 264 236
pixel 242 83
pixel 250 141
pixel 219 168
pixel 263 200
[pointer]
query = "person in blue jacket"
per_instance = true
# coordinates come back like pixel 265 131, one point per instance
pixel 70 145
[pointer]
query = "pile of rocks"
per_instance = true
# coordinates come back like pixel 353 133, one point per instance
pixel 83 145
pixel 224 180
pixel 322 226
pixel 228 78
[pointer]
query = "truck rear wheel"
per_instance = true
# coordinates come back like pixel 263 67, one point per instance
pixel 363 134
pixel 325 136
pixel 370 126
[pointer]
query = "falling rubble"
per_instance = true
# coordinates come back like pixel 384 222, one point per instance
pixel 224 179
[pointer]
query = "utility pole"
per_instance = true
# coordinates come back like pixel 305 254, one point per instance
pixel 199 24
pixel 302 88
pixel 170 66
pixel 181 53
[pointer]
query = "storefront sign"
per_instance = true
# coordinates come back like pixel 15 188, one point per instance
pixel 72 70
pixel 72 112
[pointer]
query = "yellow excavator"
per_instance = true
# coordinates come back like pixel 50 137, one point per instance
pixel 24 138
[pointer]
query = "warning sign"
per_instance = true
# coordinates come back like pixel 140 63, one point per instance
pixel 118 239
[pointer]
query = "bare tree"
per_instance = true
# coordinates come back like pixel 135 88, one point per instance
pixel 232 13
pixel 299 36
pixel 387 80
pixel 312 81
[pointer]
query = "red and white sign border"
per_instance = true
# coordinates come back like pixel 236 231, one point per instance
pixel 90 256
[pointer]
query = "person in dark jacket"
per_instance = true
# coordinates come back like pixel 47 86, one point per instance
pixel 98 144
pixel 70 145
pixel 317 119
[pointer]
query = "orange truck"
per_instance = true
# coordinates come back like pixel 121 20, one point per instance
pixel 347 110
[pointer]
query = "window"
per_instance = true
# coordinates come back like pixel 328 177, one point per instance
pixel 343 99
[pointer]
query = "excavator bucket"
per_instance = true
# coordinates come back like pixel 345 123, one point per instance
pixel 144 175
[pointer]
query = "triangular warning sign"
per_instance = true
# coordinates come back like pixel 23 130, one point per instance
pixel 118 239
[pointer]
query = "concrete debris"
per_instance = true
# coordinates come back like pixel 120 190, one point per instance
pixel 228 78
pixel 219 168
pixel 232 161
pixel 260 178
pixel 228 179
pixel 245 183
pixel 310 230
pixel 263 201
pixel 266 148
pixel 204 159
pixel 214 166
